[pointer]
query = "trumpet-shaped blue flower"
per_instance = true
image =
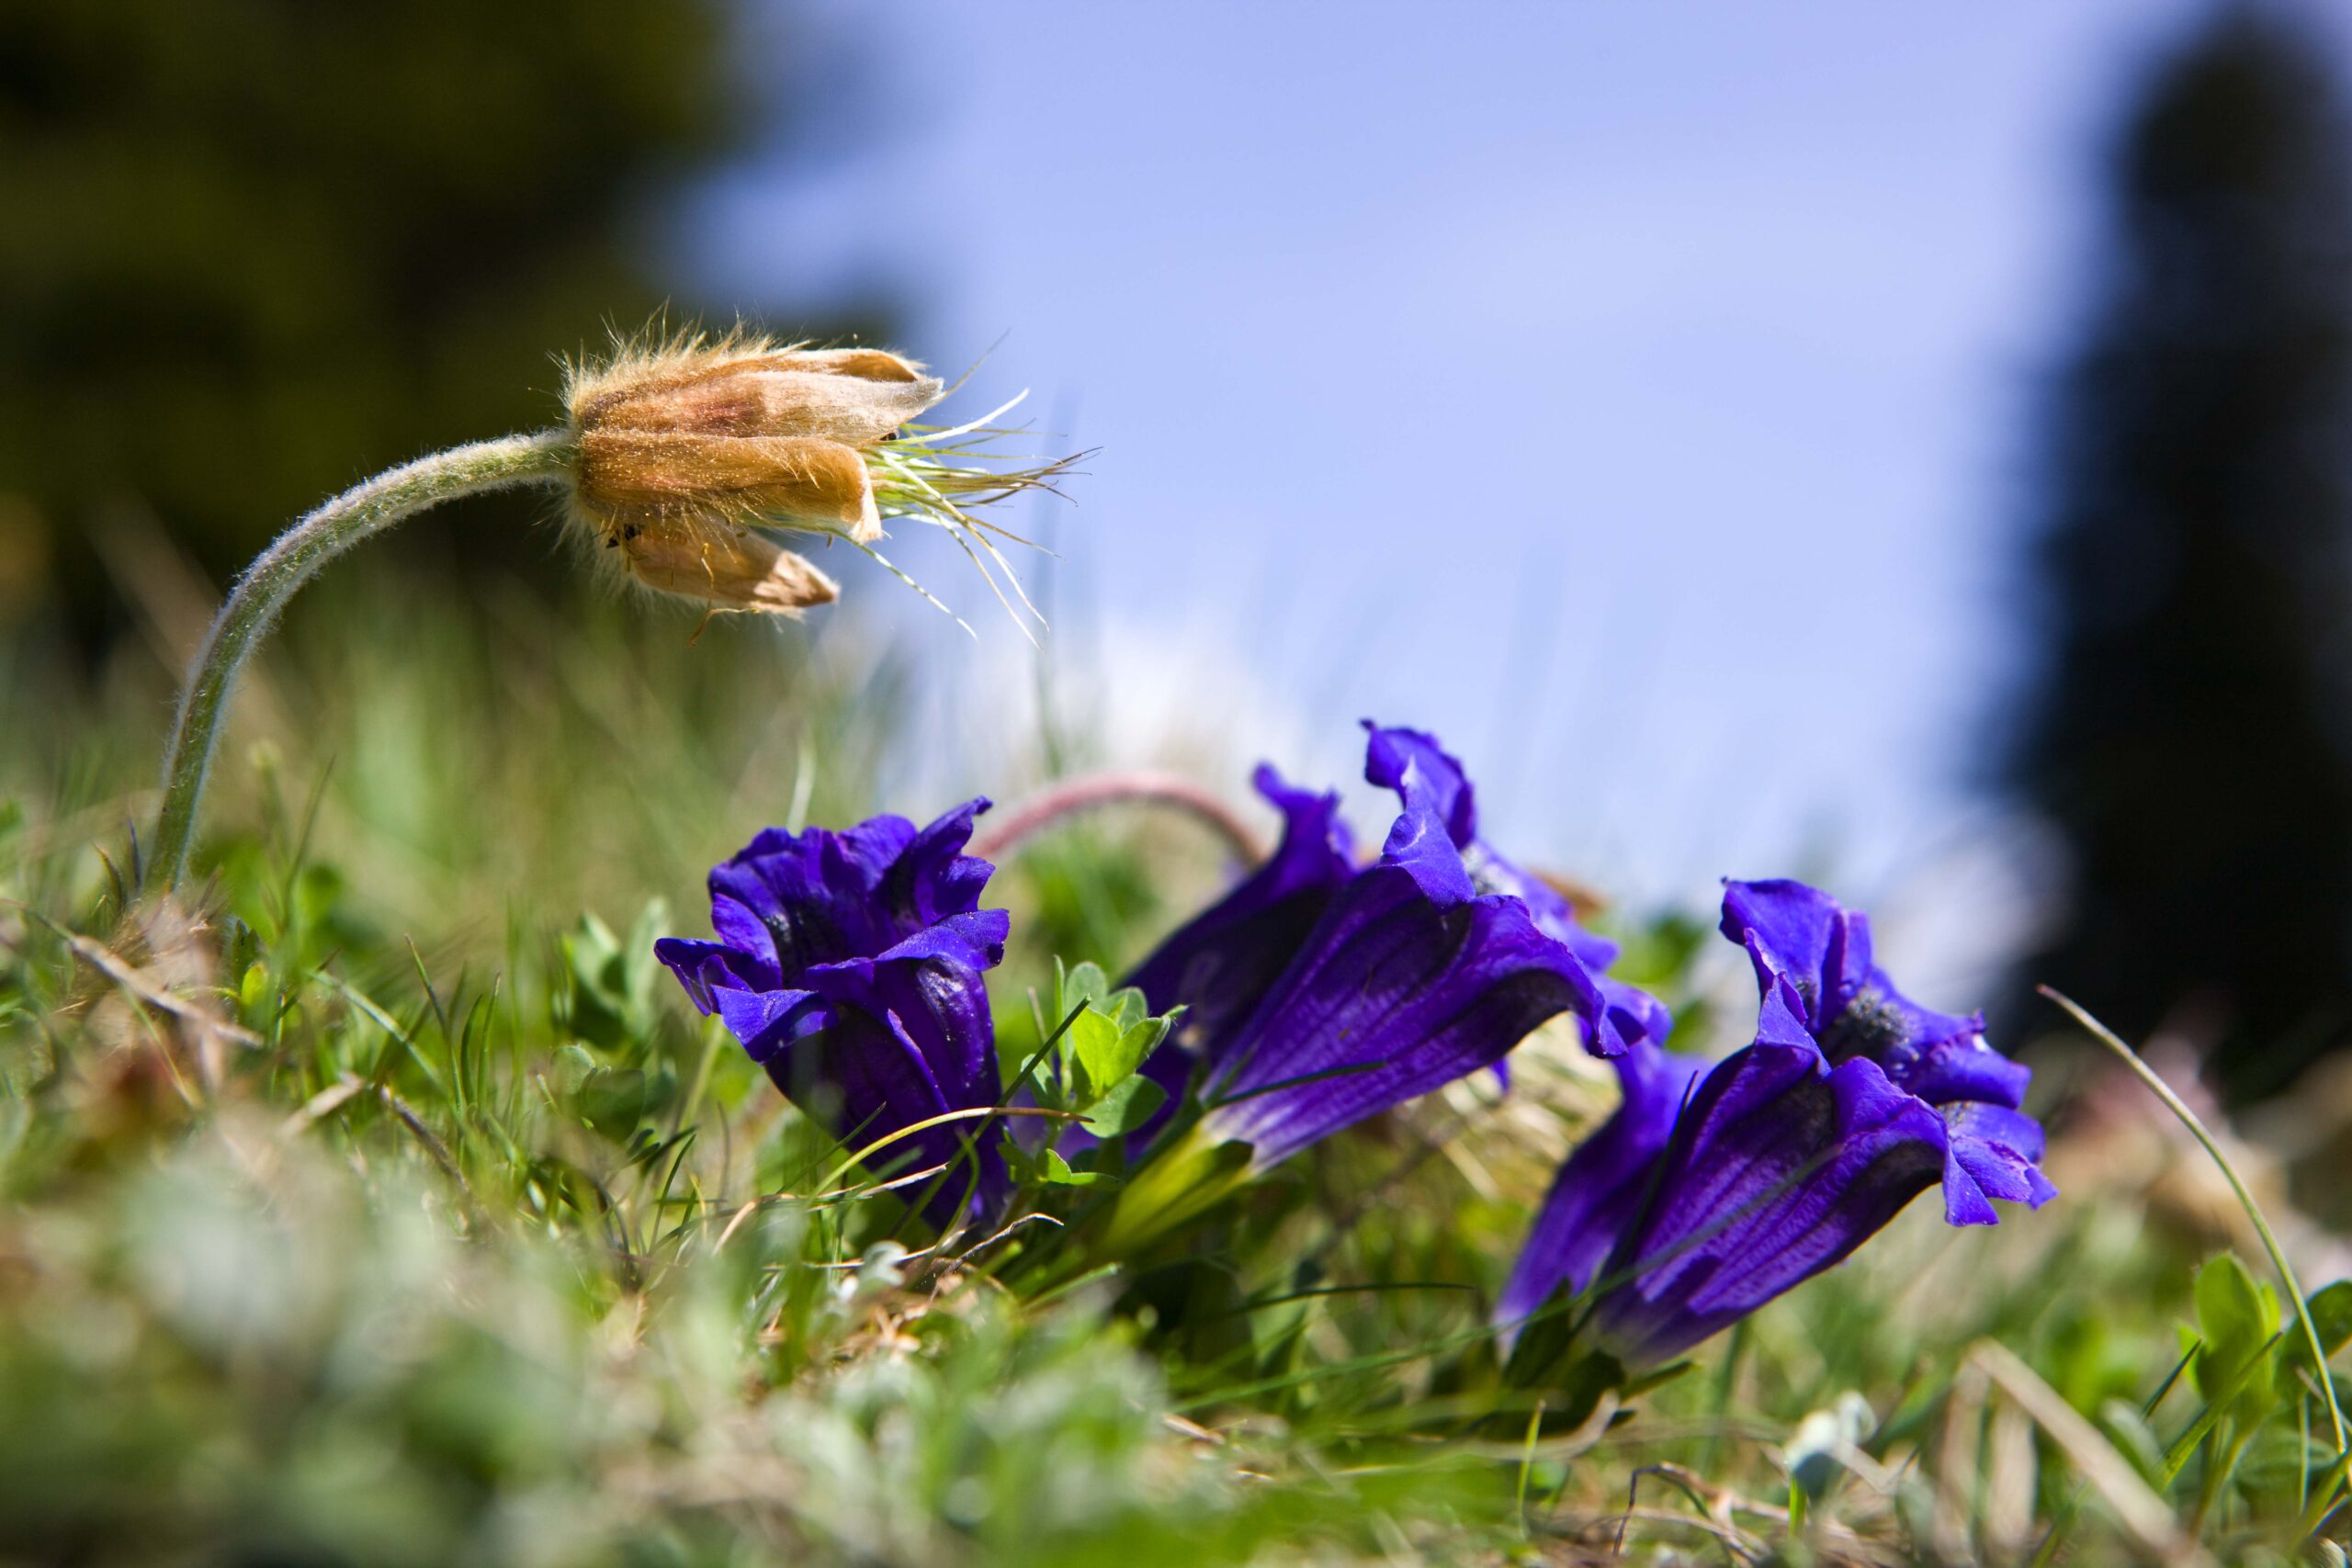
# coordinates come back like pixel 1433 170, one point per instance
pixel 1800 935
pixel 852 966
pixel 1778 1167
pixel 1219 965
pixel 1416 767
pixel 1712 1190
pixel 1603 1184
pixel 1409 975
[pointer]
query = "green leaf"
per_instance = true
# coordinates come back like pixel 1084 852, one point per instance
pixel 2237 1315
pixel 1057 1171
pixel 253 989
pixel 613 1101
pixel 1093 1047
pixel 1086 983
pixel 1108 1040
pixel 2331 1310
pixel 1126 1007
pixel 1110 1047
pixel 598 992
pixel 1127 1106
pixel 2128 1430
pixel 572 1067
pixel 1025 1166
pixel 640 971
pixel 613 983
pixel 1048 1166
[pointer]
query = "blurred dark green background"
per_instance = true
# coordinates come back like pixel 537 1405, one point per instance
pixel 258 249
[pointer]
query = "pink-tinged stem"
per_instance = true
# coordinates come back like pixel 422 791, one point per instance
pixel 1143 788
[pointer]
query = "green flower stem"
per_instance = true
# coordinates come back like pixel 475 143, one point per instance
pixel 1185 1174
pixel 1181 1182
pixel 357 513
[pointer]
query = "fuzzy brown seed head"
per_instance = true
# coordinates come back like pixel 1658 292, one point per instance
pixel 684 445
pixel 854 396
pixel 723 567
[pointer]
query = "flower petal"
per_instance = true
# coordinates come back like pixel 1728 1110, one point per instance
pixel 1778 1171
pixel 717 564
pixel 1429 778
pixel 1425 774
pixel 853 966
pixel 1601 1188
pixel 1800 932
pixel 1396 991
pixel 1966 1069
pixel 1220 965
pixel 794 481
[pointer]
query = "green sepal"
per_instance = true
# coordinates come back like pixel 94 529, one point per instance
pixel 1182 1179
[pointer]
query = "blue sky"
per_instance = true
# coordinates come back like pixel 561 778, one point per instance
pixel 1639 395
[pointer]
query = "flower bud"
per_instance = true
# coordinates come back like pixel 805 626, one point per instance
pixel 727 569
pixel 679 448
pixel 684 447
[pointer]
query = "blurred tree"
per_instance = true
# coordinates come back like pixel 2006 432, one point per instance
pixel 2192 734
pixel 257 249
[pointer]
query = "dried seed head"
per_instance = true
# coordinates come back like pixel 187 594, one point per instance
pixel 633 478
pixel 855 396
pixel 685 444
pixel 741 430
pixel 725 568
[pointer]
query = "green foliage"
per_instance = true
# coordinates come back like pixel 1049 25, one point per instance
pixel 459 1237
pixel 1086 1065
pixel 1108 1034
pixel 1088 897
pixel 2238 1318
pixel 613 990
pixel 2331 1313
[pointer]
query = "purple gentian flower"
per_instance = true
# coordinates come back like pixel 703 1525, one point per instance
pixel 1410 975
pixel 1780 1167
pixel 852 966
pixel 1691 1207
pixel 1602 1186
pixel 1416 766
pixel 1801 935
pixel 1221 963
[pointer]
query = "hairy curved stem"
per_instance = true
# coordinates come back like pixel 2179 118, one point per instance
pixel 365 510
pixel 1042 811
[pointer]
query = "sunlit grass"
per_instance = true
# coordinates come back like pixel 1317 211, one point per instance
pixel 402 1212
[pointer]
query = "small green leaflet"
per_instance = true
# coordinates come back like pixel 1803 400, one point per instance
pixel 1104 1047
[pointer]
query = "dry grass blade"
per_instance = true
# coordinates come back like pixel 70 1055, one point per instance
pixel 1952 1525
pixel 324 1103
pixel 426 1138
pixel 115 967
pixel 202 1035
pixel 2142 1513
